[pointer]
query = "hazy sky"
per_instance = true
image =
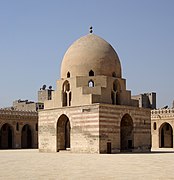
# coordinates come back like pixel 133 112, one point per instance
pixel 35 34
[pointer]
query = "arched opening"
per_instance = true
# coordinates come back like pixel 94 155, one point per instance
pixel 63 133
pixel 154 126
pixel 91 73
pixel 36 127
pixel 116 91
pixel 26 137
pixel 116 86
pixel 17 126
pixel 66 94
pixel 113 97
pixel 126 133
pixel 68 74
pixel 166 136
pixel 113 74
pixel 6 137
pixel 91 83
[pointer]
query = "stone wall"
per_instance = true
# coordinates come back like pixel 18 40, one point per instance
pixel 162 124
pixel 13 122
pixel 93 127
pixel 110 127
pixel 84 128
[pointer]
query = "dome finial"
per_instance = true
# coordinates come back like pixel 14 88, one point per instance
pixel 90 30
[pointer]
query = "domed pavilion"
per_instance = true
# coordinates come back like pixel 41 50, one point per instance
pixel 91 110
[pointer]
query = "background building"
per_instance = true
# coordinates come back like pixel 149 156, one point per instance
pixel 146 100
pixel 18 129
pixel 19 123
pixel 162 124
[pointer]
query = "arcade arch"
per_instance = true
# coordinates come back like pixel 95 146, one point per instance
pixel 6 136
pixel 166 136
pixel 26 137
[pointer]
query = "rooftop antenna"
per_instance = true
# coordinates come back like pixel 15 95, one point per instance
pixel 90 30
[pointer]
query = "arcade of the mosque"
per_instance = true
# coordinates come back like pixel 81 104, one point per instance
pixel 90 111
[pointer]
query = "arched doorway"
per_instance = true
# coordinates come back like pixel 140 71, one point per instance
pixel 26 137
pixel 6 137
pixel 63 133
pixel 126 133
pixel 166 136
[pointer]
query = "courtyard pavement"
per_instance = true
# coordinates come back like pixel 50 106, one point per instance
pixel 30 164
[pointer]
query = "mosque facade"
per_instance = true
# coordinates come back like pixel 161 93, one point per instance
pixel 18 129
pixel 91 110
pixel 19 123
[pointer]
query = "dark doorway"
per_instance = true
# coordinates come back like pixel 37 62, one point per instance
pixel 129 144
pixel 166 136
pixel 63 133
pixel 126 133
pixel 26 137
pixel 6 137
pixel 108 147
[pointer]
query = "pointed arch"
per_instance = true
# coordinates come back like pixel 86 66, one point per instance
pixel 26 136
pixel 66 94
pixel 68 74
pixel 91 73
pixel 6 136
pixel 63 133
pixel 113 74
pixel 116 86
pixel 126 133
pixel 116 90
pixel 166 136
pixel 91 83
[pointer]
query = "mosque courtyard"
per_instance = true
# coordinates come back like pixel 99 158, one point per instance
pixel 30 164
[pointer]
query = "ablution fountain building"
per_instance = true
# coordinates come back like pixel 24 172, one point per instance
pixel 91 110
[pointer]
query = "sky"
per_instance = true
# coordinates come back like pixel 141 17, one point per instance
pixel 35 34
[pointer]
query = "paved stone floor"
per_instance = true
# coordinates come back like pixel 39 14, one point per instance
pixel 30 164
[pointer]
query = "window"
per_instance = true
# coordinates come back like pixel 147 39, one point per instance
pixel 113 74
pixel 17 126
pixel 66 94
pixel 113 97
pixel 116 86
pixel 154 126
pixel 36 127
pixel 69 98
pixel 91 73
pixel 68 75
pixel 91 83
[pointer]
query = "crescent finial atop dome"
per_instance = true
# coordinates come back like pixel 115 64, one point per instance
pixel 91 30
